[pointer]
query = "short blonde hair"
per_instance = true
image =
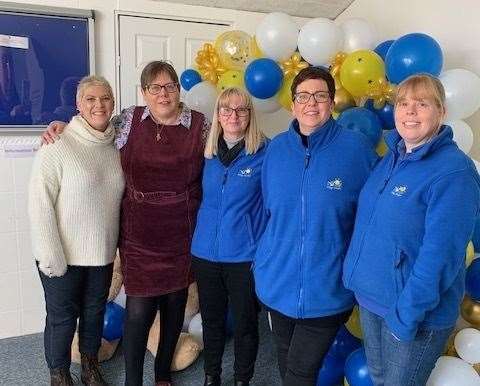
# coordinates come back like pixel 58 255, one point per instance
pixel 93 80
pixel 422 86
pixel 253 136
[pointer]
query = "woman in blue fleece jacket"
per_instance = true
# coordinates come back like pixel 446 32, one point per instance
pixel 229 223
pixel 311 177
pixel 406 261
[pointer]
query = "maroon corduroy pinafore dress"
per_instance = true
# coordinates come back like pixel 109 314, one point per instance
pixel 159 207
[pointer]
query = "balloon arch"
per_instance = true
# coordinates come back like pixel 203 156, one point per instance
pixel 366 75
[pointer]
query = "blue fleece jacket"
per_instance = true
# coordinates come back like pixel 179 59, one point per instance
pixel 415 218
pixel 231 217
pixel 310 195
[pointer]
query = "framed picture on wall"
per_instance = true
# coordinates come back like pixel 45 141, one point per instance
pixel 44 52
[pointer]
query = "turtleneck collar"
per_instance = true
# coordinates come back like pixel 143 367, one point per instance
pixel 87 134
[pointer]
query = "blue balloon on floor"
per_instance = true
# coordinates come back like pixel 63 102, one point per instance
pixel 362 120
pixel 412 54
pixel 263 78
pixel 385 114
pixel 476 236
pixel 472 280
pixel 382 48
pixel 344 344
pixel 189 78
pixel 331 372
pixel 356 370
pixel 113 321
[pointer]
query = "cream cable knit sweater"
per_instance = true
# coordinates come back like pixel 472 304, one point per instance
pixel 75 195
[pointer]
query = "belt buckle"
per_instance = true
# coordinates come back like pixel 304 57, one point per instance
pixel 138 196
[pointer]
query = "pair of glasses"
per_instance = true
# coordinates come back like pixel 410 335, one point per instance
pixel 304 97
pixel 240 111
pixel 155 89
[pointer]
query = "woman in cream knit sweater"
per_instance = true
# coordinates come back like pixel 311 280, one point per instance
pixel 75 193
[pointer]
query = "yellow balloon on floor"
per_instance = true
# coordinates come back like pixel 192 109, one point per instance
pixel 470 254
pixel 382 148
pixel 230 79
pixel 284 95
pixel 470 311
pixel 353 324
pixel 361 71
pixel 233 49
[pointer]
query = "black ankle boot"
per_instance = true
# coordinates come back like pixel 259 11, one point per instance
pixel 61 377
pixel 212 380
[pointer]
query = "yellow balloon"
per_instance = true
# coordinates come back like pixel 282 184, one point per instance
pixel 335 115
pixel 255 51
pixel 343 100
pixel 231 78
pixel 345 382
pixel 361 72
pixel 470 311
pixel 353 324
pixel 284 95
pixel 470 254
pixel 382 148
pixel 233 49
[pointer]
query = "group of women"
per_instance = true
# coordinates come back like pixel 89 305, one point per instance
pixel 308 224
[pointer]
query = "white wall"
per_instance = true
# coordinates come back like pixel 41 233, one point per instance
pixel 454 24
pixel 21 296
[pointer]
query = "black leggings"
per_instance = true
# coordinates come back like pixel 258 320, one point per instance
pixel 141 312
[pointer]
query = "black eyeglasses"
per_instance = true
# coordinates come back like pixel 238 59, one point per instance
pixel 240 111
pixel 304 97
pixel 155 89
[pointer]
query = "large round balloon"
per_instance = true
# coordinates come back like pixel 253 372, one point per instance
pixel 358 34
pixel 189 78
pixel 269 105
pixel 113 321
pixel 412 54
pixel 343 100
pixel 319 40
pixel 263 78
pixel 353 324
pixel 356 370
pixel 450 371
pixel 470 311
pixel 467 345
pixel 472 280
pixel 364 121
pixel 385 114
pixel 361 71
pixel 233 49
pixel 331 372
pixel 202 97
pixel 344 344
pixel 284 95
pixel 121 298
pixel 462 134
pixel 231 78
pixel 277 36
pixel 196 329
pixel 462 92
pixel 382 48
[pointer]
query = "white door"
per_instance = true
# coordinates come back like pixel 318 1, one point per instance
pixel 143 39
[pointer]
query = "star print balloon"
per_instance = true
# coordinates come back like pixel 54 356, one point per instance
pixel 361 72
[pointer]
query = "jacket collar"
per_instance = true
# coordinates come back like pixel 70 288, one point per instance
pixel 444 137
pixel 321 136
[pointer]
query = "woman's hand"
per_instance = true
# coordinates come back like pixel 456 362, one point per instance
pixel 50 135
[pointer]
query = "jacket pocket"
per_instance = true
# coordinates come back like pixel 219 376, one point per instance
pixel 400 270
pixel 248 224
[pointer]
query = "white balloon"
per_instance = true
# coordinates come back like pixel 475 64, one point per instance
pixel 462 93
pixel 186 322
pixel 467 345
pixel 319 40
pixel 450 371
pixel 269 105
pixel 477 164
pixel 202 97
pixel 121 298
pixel 358 35
pixel 277 36
pixel 462 134
pixel 196 329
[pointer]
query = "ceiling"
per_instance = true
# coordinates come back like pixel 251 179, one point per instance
pixel 303 8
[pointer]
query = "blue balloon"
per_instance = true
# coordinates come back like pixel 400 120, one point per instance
pixel 331 372
pixel 362 120
pixel 189 78
pixel 263 78
pixel 113 321
pixel 385 114
pixel 412 54
pixel 383 47
pixel 356 370
pixel 472 280
pixel 476 236
pixel 344 344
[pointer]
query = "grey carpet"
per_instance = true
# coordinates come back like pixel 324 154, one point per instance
pixel 22 363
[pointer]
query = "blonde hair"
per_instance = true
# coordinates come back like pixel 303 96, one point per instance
pixel 93 80
pixel 422 86
pixel 253 136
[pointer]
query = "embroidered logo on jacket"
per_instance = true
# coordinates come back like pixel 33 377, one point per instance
pixel 335 184
pixel 245 172
pixel 399 191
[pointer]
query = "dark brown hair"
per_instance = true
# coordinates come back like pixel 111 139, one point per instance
pixel 314 72
pixel 154 68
